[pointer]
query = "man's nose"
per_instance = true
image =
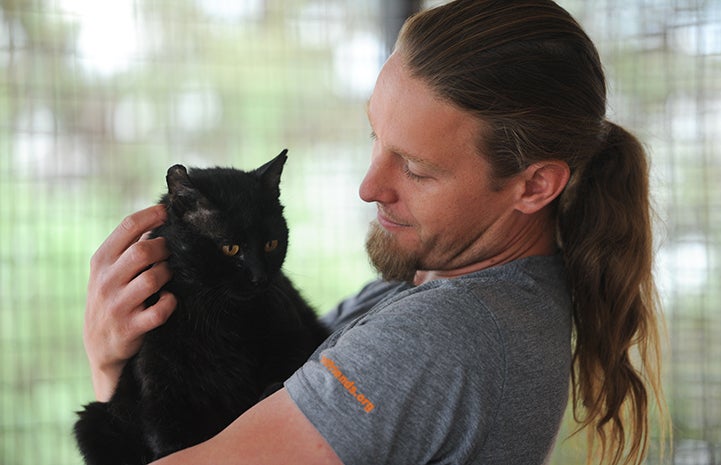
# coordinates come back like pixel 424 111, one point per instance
pixel 377 185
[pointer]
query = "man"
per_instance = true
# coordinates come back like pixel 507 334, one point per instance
pixel 466 354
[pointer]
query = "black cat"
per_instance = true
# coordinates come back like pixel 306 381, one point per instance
pixel 240 328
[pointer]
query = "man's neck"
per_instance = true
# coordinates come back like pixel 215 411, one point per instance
pixel 542 243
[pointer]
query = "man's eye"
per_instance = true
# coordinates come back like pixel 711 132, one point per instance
pixel 410 174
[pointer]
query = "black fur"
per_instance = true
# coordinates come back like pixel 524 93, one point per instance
pixel 240 328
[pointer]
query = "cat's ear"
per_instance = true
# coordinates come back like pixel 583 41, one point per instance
pixel 182 194
pixel 178 180
pixel 270 173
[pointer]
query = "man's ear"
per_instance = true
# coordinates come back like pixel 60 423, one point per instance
pixel 544 181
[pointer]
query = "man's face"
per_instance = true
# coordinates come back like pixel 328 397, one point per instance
pixel 436 207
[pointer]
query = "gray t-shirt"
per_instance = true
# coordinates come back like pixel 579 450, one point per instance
pixel 470 370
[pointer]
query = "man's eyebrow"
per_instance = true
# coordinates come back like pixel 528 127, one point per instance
pixel 415 159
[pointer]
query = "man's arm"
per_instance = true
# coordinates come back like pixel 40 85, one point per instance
pixel 274 431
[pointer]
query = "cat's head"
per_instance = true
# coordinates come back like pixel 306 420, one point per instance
pixel 225 227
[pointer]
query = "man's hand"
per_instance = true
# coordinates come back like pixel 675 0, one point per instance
pixel 125 270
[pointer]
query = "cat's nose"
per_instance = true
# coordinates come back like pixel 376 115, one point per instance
pixel 258 278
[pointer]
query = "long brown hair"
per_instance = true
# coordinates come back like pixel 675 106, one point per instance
pixel 530 72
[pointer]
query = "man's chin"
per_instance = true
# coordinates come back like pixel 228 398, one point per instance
pixel 387 257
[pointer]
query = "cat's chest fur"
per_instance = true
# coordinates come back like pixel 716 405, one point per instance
pixel 206 334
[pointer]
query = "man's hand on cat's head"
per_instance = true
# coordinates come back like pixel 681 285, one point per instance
pixel 125 271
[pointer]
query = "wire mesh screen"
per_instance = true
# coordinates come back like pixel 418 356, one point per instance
pixel 663 59
pixel 99 98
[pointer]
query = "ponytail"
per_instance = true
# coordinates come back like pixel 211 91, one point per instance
pixel 605 227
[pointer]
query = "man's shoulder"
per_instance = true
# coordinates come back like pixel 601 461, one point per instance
pixel 526 291
pixel 530 275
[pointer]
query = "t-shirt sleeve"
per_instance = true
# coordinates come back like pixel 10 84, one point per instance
pixel 353 307
pixel 413 383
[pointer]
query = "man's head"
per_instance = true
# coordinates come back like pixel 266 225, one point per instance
pixel 439 205
pixel 424 174
pixel 480 115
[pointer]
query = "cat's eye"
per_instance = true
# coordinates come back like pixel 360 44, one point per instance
pixel 271 245
pixel 231 250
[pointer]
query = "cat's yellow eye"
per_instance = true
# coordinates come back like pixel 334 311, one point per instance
pixel 271 245
pixel 231 250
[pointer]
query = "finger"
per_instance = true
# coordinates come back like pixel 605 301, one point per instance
pixel 128 232
pixel 138 258
pixel 144 285
pixel 146 235
pixel 155 315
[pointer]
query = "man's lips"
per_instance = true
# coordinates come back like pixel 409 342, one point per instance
pixel 388 221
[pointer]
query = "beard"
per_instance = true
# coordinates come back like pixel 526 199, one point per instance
pixel 386 256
